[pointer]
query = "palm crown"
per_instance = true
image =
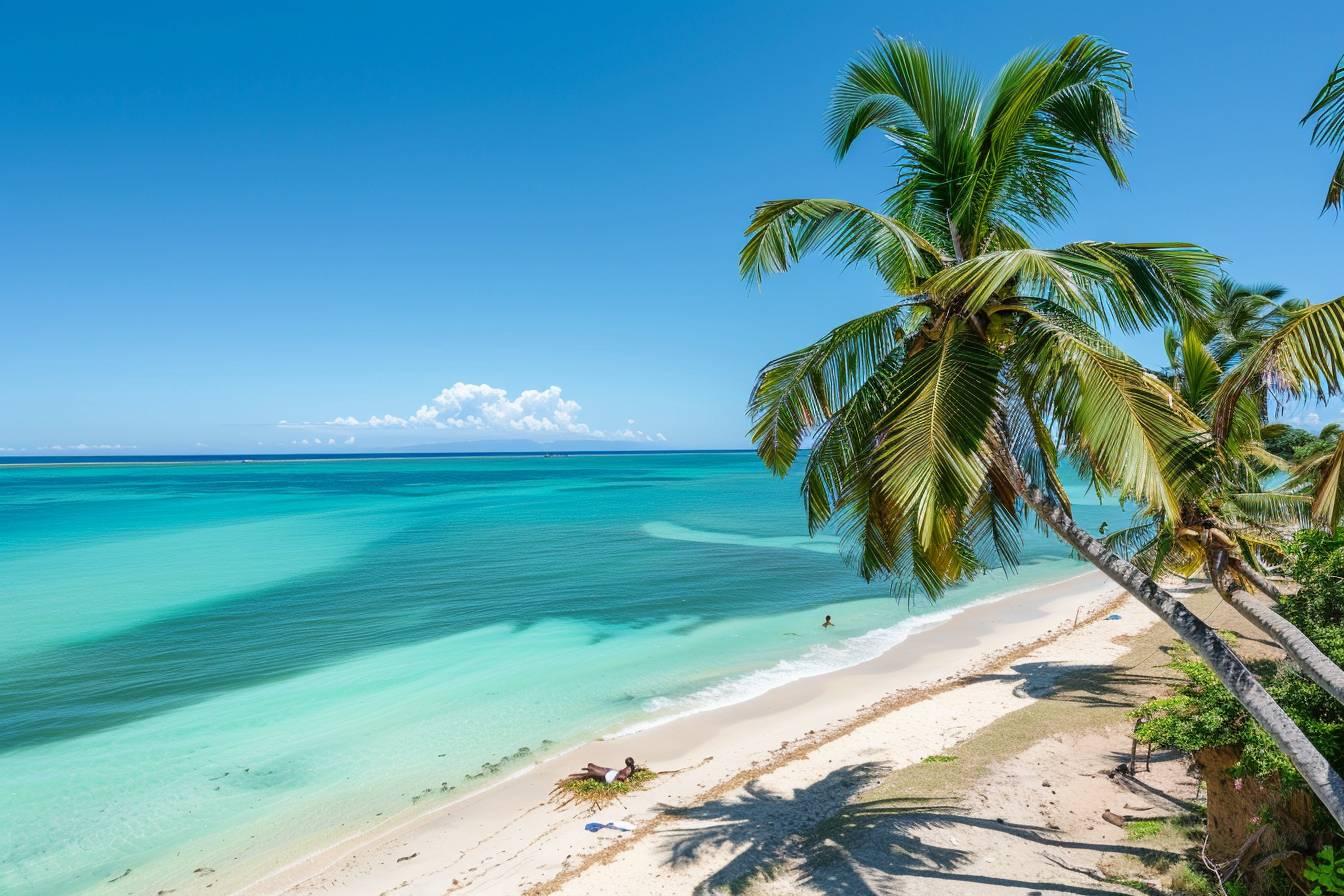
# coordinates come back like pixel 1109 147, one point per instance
pixel 927 416
pixel 1222 496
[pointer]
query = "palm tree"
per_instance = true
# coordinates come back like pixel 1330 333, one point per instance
pixel 933 418
pixel 1240 317
pixel 1229 524
pixel 1328 110
pixel 1323 476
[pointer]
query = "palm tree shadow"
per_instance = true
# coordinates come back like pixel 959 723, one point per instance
pixel 1096 685
pixel 879 847
pixel 842 848
pixel 766 823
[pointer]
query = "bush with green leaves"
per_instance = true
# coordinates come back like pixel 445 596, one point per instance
pixel 1316 563
pixel 1326 872
pixel 1201 712
pixel 1284 440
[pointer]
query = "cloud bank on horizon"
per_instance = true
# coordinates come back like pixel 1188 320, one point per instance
pixel 482 409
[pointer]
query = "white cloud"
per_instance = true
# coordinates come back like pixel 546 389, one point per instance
pixel 482 408
pixel 1313 418
pixel 350 441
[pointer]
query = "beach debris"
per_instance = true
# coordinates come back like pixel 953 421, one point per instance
pixel 203 870
pixel 120 876
pixel 597 794
pixel 593 827
pixel 1114 819
pixel 1112 617
pixel 407 858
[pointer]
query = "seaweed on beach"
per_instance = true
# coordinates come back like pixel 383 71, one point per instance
pixel 597 794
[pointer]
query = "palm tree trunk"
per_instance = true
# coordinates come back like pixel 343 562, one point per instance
pixel 1324 781
pixel 1254 576
pixel 1304 653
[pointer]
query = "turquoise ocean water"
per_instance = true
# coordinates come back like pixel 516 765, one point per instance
pixel 206 661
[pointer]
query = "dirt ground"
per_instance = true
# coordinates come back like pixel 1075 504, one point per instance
pixel 1022 805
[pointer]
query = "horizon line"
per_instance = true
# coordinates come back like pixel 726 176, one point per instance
pixel 36 460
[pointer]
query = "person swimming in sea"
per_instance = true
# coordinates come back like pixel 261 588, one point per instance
pixel 828 623
pixel 595 772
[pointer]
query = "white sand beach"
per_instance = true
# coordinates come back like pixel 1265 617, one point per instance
pixel 935 689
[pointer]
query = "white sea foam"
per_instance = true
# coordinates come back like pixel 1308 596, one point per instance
pixel 818 660
pixel 824 544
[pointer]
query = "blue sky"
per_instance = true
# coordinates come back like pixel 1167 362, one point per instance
pixel 217 220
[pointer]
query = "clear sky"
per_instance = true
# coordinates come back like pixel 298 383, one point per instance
pixel 213 221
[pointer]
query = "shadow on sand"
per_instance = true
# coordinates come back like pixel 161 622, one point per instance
pixel 832 844
pixel 873 848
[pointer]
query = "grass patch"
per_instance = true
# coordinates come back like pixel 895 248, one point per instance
pixel 597 794
pixel 1186 881
pixel 1142 829
pixel 939 759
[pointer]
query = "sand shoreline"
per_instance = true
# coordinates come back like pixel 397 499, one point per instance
pixel 506 839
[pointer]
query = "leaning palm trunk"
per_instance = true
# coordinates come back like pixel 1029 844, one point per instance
pixel 1308 657
pixel 901 403
pixel 1255 577
pixel 1324 781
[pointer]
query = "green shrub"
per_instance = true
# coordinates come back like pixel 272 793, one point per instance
pixel 1326 871
pixel 1202 713
pixel 1284 440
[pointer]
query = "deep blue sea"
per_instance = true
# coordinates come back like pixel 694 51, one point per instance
pixel 203 657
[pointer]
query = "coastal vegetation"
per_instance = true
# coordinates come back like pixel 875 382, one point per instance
pixel 1260 825
pixel 939 423
pixel 1228 365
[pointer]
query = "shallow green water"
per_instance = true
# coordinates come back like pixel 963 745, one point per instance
pixel 201 657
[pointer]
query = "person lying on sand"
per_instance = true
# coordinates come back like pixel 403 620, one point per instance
pixel 596 772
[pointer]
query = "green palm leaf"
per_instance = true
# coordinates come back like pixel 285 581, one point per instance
pixel 929 458
pixel 784 230
pixel 1134 285
pixel 798 391
pixel 1132 431
pixel 1328 130
pixel 1303 357
pixel 1328 505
